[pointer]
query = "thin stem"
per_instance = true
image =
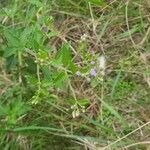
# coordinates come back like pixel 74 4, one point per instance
pixel 92 17
pixel 102 98
pixel 38 75
pixel 72 90
pixel 20 66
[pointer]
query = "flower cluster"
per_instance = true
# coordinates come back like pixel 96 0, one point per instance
pixel 77 109
pixel 98 68
pixel 42 58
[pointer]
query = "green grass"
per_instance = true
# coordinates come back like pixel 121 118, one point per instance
pixel 55 91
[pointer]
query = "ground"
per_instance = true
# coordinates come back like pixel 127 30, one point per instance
pixel 74 74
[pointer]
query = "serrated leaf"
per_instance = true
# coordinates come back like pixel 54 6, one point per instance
pixel 12 38
pixel 25 35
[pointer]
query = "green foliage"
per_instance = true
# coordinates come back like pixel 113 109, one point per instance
pixel 96 2
pixel 13 111
pixel 65 54
pixel 49 99
pixel 36 2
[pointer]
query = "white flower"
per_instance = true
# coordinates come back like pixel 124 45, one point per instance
pixel 88 79
pixel 78 73
pixel 92 62
pixel 101 62
pixel 83 37
pixel 77 113
pixel 73 114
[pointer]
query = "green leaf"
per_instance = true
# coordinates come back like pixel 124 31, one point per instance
pixel 97 124
pixel 29 128
pixel 13 111
pixel 72 67
pixel 11 62
pixel 51 34
pixel 83 102
pixel 96 2
pixel 12 38
pixel 9 51
pixel 65 54
pixel 59 79
pixel 115 83
pixel 36 2
pixel 25 35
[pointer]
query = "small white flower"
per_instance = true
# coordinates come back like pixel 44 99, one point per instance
pixel 78 73
pixel 73 114
pixel 83 37
pixel 73 106
pixel 79 65
pixel 77 113
pixel 88 79
pixel 83 110
pixel 92 62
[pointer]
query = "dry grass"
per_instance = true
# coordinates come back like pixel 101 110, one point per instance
pixel 117 104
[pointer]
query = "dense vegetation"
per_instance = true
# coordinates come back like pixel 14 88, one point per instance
pixel 74 74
